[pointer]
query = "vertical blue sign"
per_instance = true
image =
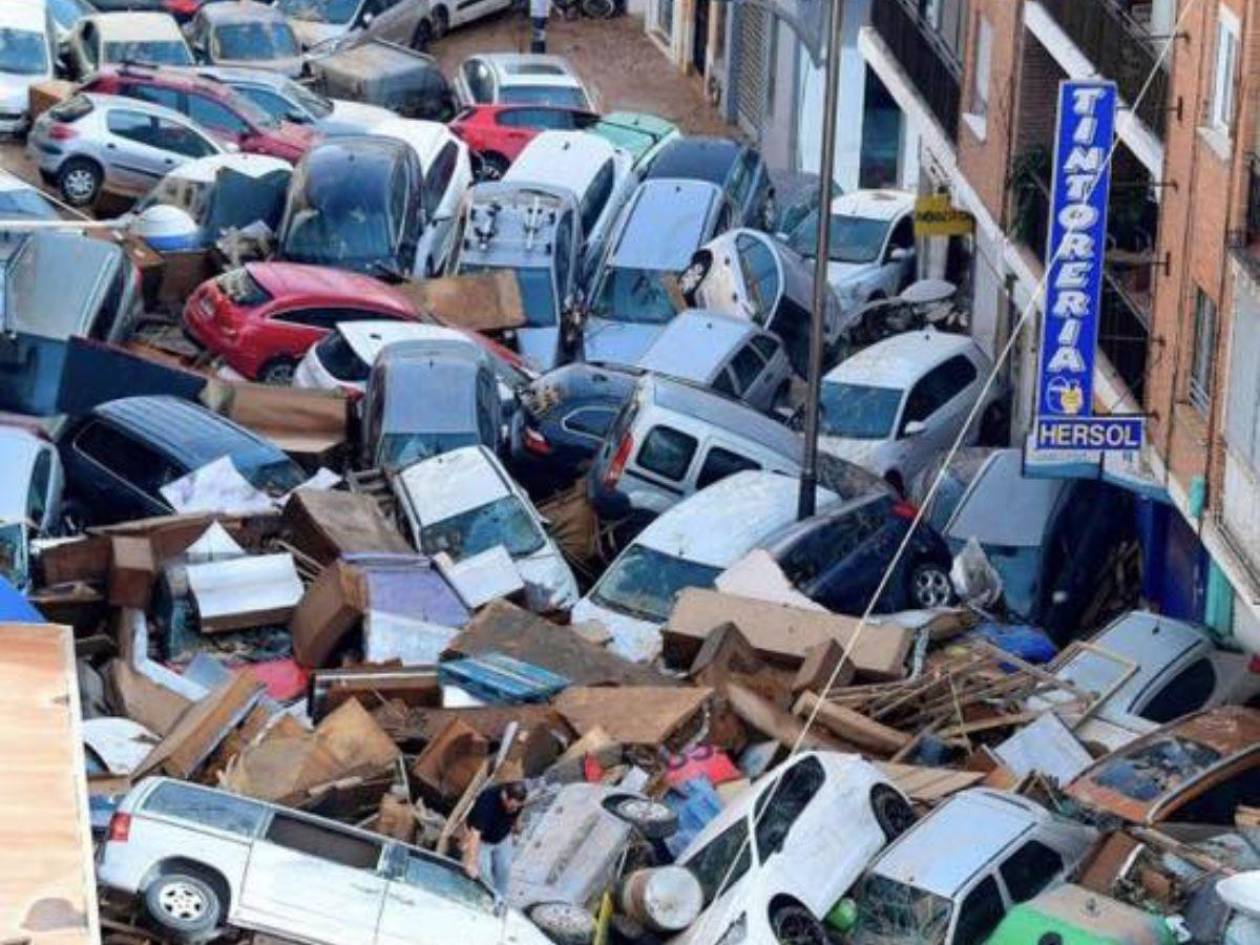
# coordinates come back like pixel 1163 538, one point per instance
pixel 1074 255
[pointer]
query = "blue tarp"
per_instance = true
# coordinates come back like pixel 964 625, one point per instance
pixel 15 608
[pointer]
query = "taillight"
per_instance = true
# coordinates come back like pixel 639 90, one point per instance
pixel 1254 665
pixel 62 132
pixel 535 442
pixel 619 460
pixel 904 509
pixel 119 827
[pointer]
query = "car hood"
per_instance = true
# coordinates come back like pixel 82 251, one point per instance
pixel 842 274
pixel 549 584
pixel 294 135
pixel 15 90
pixel 869 454
pixel 611 342
pixel 352 118
pixel 634 639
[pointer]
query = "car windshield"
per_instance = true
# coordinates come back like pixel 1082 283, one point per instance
pixel 1155 769
pixel 853 239
pixel 639 296
pixel 858 411
pixel 1019 569
pixel 67 12
pixel 715 864
pixel 336 12
pixel 317 105
pixel 23 52
pixel 23 203
pixel 276 478
pixel 643 582
pixel 346 232
pixel 892 912
pixel 538 294
pixel 561 95
pixel 504 521
pixel 403 449
pixel 159 53
pixel 255 41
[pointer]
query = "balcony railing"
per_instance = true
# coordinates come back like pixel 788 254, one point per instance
pixel 1120 50
pixel 930 64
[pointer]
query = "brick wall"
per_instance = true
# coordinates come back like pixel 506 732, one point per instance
pixel 984 161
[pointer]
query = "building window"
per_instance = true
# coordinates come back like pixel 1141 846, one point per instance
pixel 1242 404
pixel 981 73
pixel 1204 353
pixel 1223 90
pixel 664 19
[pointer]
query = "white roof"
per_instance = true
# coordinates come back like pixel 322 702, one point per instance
pixel 522 68
pixel 137 27
pixel 453 482
pixel 23 15
pixel 425 137
pixel 694 343
pixel 18 450
pixel 204 170
pixel 719 525
pixel 899 361
pixel 568 158
pixel 873 204
pixel 367 338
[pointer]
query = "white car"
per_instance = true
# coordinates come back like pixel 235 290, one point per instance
pixel 22 201
pixel 445 14
pixel 689 545
pixel 33 480
pixel 343 359
pixel 286 100
pixel 893 406
pixel 447 176
pixel 872 244
pixel 774 862
pixel 521 79
pixel 463 503
pixel 112 39
pixel 28 54
pixel 245 33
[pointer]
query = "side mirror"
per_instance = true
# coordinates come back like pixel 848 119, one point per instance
pixel 899 254
pixel 914 428
pixel 367 19
pixel 1059 597
pixel 231 147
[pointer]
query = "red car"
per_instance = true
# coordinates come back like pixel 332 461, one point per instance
pixel 498 133
pixel 221 110
pixel 262 318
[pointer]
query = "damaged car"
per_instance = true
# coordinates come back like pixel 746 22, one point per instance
pixel 245 33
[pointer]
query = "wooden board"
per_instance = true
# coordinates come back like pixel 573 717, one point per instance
pixel 200 730
pixel 484 302
pixel 929 785
pixel 631 715
pixel 851 726
pixel 47 888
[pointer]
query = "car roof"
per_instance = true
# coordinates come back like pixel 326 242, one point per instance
pixel 524 68
pixel 664 224
pixel 899 361
pixel 239 11
pixel 497 232
pixel 708 406
pixel 368 338
pixel 449 379
pixel 985 510
pixel 425 137
pixel 583 380
pixel 696 158
pixel 195 435
pixel 454 482
pixel 296 282
pixel 186 79
pixel 350 158
pixel 695 343
pixel 205 170
pixel 568 158
pixel 243 75
pixel 99 100
pixel 720 524
pixel 136 27
pixel 973 825
pixel 873 204
pixel 18 451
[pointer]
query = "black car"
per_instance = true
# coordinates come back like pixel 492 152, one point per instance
pixel 561 420
pixel 119 456
pixel 839 557
pixel 738 169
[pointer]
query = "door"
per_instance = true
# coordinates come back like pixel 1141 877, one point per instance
pixel 132 164
pixel 431 901
pixel 898 268
pixel 792 833
pixel 940 402
pixel 309 880
pixel 867 545
pixel 700 39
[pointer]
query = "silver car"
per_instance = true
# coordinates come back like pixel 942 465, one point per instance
pixel 92 144
pixel 286 100
pixel 245 33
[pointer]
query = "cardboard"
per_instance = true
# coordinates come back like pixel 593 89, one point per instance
pixel 484 302
pixel 325 524
pixel 308 424
pixel 331 608
pixel 200 730
pixel 371 685
pixel 632 715
pixel 825 668
pixel 44 95
pixel 449 763
pixel 851 726
pixel 132 572
pixel 142 700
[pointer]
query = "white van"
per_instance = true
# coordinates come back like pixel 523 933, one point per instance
pixel 28 54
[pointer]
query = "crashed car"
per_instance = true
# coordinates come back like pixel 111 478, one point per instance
pixel 34 480
pixel 245 33
pixel 384 74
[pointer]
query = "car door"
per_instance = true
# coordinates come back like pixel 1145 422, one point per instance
pixel 795 838
pixel 937 401
pixel 897 268
pixel 217 118
pixel 979 913
pixel 863 548
pixel 306 879
pixel 1029 869
pixel 43 492
pixel 440 201
pixel 133 165
pixel 747 367
pixel 395 20
pixel 431 901
pixel 116 477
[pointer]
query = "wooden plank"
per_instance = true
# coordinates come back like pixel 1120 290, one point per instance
pixel 929 785
pixel 850 725
pixel 769 719
pixel 632 715
pixel 200 730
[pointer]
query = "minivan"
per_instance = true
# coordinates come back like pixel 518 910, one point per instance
pixel 28 39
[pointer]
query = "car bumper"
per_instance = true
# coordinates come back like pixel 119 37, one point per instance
pixel 14 124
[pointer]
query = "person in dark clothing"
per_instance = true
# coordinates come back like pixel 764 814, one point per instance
pixel 490 823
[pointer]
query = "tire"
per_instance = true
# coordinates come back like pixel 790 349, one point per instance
pixel 79 181
pixel 563 923
pixel 493 166
pixel 930 586
pixel 652 819
pixel 441 23
pixel 184 905
pixel 793 924
pixel 278 372
pixel 599 9
pixel 423 36
pixel 892 812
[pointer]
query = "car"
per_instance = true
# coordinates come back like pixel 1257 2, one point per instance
pixel 198 858
pixel 231 117
pixel 1003 849
pixel 769 865
pixel 28 55
pixel 689 545
pixel 321 23
pixel 224 191
pixel 1147 670
pixel 120 455
pixel 497 134
pixel 34 480
pixel 66 13
pixel 357 203
pixel 22 201
pixel 421 402
pixel 638 134
pixel 730 355
pixel 446 14
pixel 376 72
pixel 1074 915
pixel 1197 769
pixel 839 558
pixel 94 144
pixel 245 33
pixel 894 406
pixel 521 79
pixel 462 502
pixel 635 290
pixel 598 174
pixel 180 9
pixel 872 252
pixel 286 100
pixel 111 39
pixel 736 168
pixel 447 175
pixel 1044 538
pixel 534 232
pixel 262 318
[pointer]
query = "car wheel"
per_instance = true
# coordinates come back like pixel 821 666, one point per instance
pixel 793 924
pixel 493 166
pixel 441 23
pixel 930 586
pixel 563 923
pixel 423 36
pixel 80 181
pixel 183 904
pixel 892 812
pixel 278 372
pixel 651 818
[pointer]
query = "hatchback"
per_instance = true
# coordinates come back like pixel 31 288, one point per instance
pixel 521 79
pixel 638 134
pixel 245 33
pixel 28 54
pixel 737 169
pixel 497 134
pixel 321 22
pixel 286 100
pixel 264 317
pixel 112 39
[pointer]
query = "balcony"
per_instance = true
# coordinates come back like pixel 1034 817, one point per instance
pixel 1246 244
pixel 926 60
pixel 1120 49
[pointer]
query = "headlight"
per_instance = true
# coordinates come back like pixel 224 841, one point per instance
pixel 736 933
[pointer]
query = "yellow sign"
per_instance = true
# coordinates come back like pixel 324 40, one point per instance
pixel 935 216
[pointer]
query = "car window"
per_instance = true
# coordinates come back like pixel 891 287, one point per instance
pixel 215 115
pixel 448 881
pixel 767 345
pixel 37 498
pixel 760 272
pixel 91 52
pixel 208 808
pixel 723 862
pixel 274 105
pixel 781 804
pixel 325 318
pixel 1219 803
pixel 134 126
pixel 902 234
pixel 1186 692
pixel 438 177
pixel 748 365
pixel 724 383
pixel 596 197
pixel 590 421
pixel 667 452
pixel 324 842
pixel 135 463
pixel 957 374
pixel 740 181
pixel 488 393
pixel 564 253
pixel 938 387
pixel 551 119
pixel 979 914
pixel 180 139
pixel 832 541
pixel 1029 870
pixel 168 98
pixel 720 463
pixel 477 76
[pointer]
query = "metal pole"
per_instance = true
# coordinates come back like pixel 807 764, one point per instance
pixel 809 466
